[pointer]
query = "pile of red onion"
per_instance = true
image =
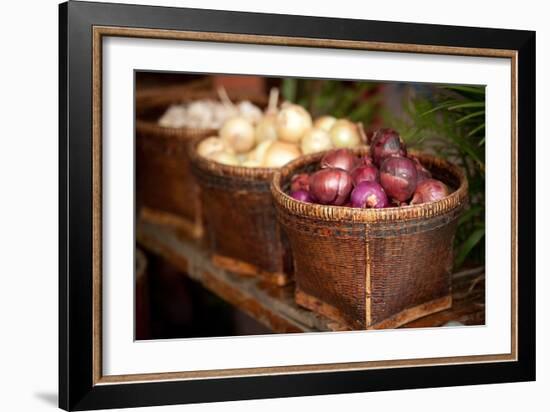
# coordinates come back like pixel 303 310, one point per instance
pixel 386 177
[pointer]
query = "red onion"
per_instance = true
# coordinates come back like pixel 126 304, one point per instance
pixel 369 194
pixel 340 159
pixel 365 174
pixel 385 143
pixel 429 190
pixel 301 195
pixel 330 186
pixel 369 135
pixel 398 177
pixel 366 161
pixel 300 182
pixel 421 172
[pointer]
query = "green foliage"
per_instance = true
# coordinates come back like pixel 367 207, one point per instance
pixel 450 122
pixel 336 98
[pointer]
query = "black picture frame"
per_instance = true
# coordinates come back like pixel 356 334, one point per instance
pixel 77 390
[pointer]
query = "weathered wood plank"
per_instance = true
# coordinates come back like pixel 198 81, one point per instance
pixel 271 305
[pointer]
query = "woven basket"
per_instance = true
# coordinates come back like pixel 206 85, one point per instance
pixel 241 228
pixel 372 268
pixel 166 189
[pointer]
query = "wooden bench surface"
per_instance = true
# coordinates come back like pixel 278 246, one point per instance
pixel 274 306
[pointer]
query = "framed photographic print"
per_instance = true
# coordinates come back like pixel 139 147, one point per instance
pixel 256 206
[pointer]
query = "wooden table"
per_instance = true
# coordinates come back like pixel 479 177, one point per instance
pixel 274 306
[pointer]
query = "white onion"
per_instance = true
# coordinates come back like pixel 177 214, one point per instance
pixel 280 153
pixel 293 121
pixel 250 111
pixel 225 158
pixel 266 129
pixel 258 154
pixel 238 134
pixel 210 145
pixel 324 122
pixel 316 140
pixel 251 163
pixel 273 102
pixel 345 134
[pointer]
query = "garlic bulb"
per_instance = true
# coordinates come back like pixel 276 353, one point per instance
pixel 316 140
pixel 238 134
pixel 175 116
pixel 199 114
pixel 293 121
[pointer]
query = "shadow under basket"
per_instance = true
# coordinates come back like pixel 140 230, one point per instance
pixel 372 268
pixel 241 228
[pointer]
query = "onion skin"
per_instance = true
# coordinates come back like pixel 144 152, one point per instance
pixel 280 153
pixel 259 152
pixel 369 195
pixel 366 161
pixel 398 177
pixel 210 145
pixel 330 186
pixel 266 129
pixel 429 190
pixel 340 159
pixel 421 172
pixel 251 163
pixel 293 121
pixel 238 134
pixel 345 134
pixel 316 140
pixel 301 195
pixel 385 143
pixel 225 158
pixel 300 182
pixel 365 174
pixel 324 122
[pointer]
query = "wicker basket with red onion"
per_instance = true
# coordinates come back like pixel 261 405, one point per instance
pixel 385 177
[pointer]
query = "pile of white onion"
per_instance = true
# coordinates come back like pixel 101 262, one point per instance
pixel 277 136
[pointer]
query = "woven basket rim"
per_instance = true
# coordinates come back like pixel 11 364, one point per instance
pixel 340 213
pixel 151 127
pixel 219 169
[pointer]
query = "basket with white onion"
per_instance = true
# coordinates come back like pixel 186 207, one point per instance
pixel 167 119
pixel 234 169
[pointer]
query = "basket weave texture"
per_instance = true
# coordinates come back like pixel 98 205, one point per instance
pixel 241 228
pixel 372 268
